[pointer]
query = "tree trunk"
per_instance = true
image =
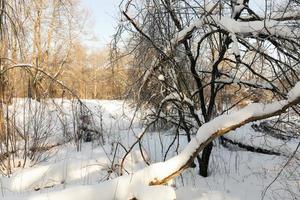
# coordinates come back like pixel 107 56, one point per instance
pixel 204 162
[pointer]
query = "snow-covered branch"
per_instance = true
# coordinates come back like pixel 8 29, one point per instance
pixel 177 97
pixel 267 27
pixel 251 83
pixel 134 185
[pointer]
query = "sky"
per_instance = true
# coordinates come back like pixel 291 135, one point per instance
pixel 103 20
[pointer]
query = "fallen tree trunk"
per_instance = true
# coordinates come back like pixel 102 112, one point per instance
pixel 269 129
pixel 129 186
pixel 225 123
pixel 247 147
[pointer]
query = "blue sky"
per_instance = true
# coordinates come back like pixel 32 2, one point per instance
pixel 103 17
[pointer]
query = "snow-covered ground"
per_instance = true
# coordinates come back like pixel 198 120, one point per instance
pixel 234 174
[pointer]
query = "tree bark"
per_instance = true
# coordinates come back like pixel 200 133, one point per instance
pixel 203 171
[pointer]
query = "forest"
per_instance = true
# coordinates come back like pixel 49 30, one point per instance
pixel 189 99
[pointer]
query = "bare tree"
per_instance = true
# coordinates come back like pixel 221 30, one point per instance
pixel 40 33
pixel 191 54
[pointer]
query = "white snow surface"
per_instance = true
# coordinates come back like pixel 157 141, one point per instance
pixel 68 174
pixel 294 92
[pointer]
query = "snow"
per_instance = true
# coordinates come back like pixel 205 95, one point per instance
pixel 74 167
pixel 253 27
pixel 178 97
pixel 204 132
pixel 238 9
pixel 247 136
pixel 110 190
pixel 240 2
pixel 235 46
pixel 285 14
pixel 144 192
pixel 123 187
pixel 78 193
pixel 161 77
pixel 268 27
pixel 183 33
pixel 76 175
pixel 294 92
pixel 148 72
pixel 197 194
pixel 241 175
